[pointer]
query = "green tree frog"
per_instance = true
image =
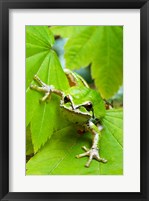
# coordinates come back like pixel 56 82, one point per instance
pixel 82 106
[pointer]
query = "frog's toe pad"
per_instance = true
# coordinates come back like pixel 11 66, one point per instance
pixel 101 160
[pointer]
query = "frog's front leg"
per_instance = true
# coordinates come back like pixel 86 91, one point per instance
pixel 47 89
pixel 93 153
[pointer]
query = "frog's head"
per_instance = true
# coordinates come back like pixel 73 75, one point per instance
pixel 80 104
pixel 76 113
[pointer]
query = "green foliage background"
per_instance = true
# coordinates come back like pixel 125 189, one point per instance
pixel 51 142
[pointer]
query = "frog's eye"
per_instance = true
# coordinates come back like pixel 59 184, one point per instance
pixel 88 106
pixel 66 99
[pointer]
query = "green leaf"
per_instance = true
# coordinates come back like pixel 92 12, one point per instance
pixel 112 142
pixel 57 157
pixel 47 116
pixel 107 64
pixel 78 51
pixel 100 46
pixel 38 39
pixel 43 118
pixel 29 146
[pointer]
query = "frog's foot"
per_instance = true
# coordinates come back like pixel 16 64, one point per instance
pixel 42 88
pixel 93 153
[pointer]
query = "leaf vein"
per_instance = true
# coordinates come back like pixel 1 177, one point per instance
pixel 114 137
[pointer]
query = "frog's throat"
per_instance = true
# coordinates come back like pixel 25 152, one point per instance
pixel 76 112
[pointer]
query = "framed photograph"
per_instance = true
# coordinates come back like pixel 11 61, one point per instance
pixel 74 100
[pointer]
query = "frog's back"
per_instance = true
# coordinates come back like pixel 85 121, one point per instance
pixel 83 94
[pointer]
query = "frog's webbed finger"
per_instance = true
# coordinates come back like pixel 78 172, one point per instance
pixel 38 80
pixel 85 149
pixel 40 89
pixel 89 161
pixel 101 159
pixel 47 95
pixel 82 155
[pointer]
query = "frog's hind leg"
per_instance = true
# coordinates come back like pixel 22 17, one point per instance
pixel 93 153
pixel 75 79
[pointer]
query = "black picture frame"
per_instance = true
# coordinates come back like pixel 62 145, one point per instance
pixel 5 5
